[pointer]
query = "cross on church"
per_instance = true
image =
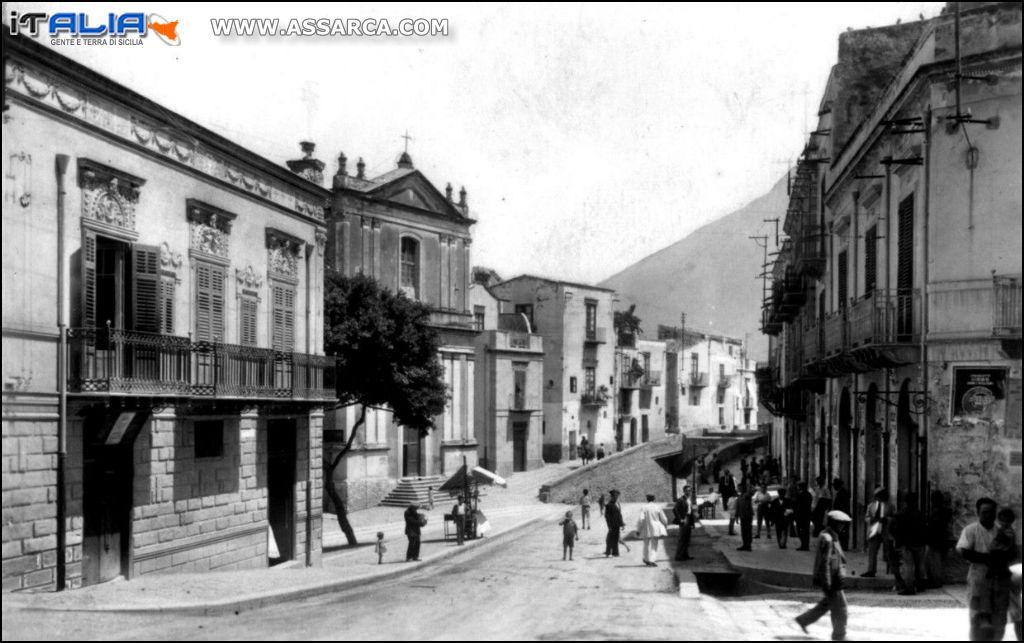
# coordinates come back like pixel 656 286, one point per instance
pixel 407 139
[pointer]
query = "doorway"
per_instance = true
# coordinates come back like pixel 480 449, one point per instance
pixel 281 453
pixel 520 431
pixel 107 498
pixel 412 453
pixel 845 421
pixel 632 432
pixel 906 442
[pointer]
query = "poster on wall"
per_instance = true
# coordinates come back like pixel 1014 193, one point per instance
pixel 979 393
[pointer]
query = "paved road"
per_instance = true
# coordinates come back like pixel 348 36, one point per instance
pixel 520 589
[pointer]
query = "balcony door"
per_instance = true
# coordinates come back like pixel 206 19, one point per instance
pixel 412 452
pixel 905 271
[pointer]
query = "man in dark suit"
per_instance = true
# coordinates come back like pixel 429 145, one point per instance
pixel 683 518
pixel 413 523
pixel 803 509
pixel 613 517
pixel 727 489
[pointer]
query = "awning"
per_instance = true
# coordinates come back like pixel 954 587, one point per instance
pixel 476 475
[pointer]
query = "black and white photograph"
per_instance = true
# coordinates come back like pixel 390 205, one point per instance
pixel 436 321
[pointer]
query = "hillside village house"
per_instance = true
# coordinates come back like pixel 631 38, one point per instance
pixel 509 386
pixel 641 390
pixel 402 231
pixel 163 373
pixel 895 315
pixel 575 321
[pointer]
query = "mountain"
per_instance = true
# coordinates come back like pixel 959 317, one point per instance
pixel 710 275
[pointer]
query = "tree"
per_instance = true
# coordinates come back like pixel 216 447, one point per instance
pixel 626 322
pixel 387 357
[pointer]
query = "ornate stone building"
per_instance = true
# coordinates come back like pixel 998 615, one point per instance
pixel 163 369
pixel 400 229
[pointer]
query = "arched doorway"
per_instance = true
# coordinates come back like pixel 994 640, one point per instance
pixel 906 442
pixel 845 420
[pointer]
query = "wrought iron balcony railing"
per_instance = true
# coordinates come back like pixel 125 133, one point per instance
pixel 882 318
pixel 594 398
pixel 126 362
pixel 698 379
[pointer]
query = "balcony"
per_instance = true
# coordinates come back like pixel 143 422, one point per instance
pixel 597 397
pixel 650 379
pixel 522 402
pixel 698 380
pixel 1006 310
pixel 882 318
pixel 453 319
pixel 111 361
pixel 812 343
pixel 724 381
pixel 596 336
pixel 835 333
pixel 810 253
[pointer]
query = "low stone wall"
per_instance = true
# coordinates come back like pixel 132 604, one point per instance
pixel 632 471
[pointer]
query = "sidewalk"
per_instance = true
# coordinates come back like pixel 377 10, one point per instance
pixel 342 568
pixel 793 569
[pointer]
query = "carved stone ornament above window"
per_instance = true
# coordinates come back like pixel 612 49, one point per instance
pixel 209 229
pixel 169 260
pixel 249 278
pixel 283 254
pixel 109 196
pixel 321 242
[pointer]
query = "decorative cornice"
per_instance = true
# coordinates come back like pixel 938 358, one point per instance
pixel 283 254
pixel 109 196
pixel 174 143
pixel 249 278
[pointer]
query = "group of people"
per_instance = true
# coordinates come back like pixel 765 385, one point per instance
pixel 756 471
pixel 651 526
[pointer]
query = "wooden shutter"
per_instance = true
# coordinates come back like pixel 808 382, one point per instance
pixel 283 335
pixel 905 251
pixel 870 259
pixel 146 289
pixel 247 331
pixel 842 275
pixel 167 288
pixel 88 260
pixel 209 302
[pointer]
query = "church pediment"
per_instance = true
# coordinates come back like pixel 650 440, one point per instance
pixel 413 189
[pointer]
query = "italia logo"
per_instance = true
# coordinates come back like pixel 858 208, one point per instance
pixel 70 25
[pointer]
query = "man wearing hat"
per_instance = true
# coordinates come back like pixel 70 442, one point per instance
pixel 414 522
pixel 613 517
pixel 829 572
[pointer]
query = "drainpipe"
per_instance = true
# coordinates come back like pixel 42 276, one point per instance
pixel 888 286
pixel 923 492
pixel 61 167
pixel 309 428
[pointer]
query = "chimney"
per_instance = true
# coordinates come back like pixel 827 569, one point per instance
pixel 462 199
pixel 361 169
pixel 448 192
pixel 308 167
pixel 342 165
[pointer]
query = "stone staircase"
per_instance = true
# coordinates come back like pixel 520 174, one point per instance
pixel 415 490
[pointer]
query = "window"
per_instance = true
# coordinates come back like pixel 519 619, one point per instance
pixel 721 372
pixel 409 270
pixel 526 309
pixel 590 382
pixel 721 415
pixel 479 313
pixel 646 357
pixel 209 302
pixel 870 259
pixel 694 361
pixel 283 331
pixel 519 392
pixel 591 319
pixel 730 350
pixel 209 438
pixel 572 384
pixel 842 278
pixel 167 285
pixel 721 395
pixel 247 319
pixel 694 397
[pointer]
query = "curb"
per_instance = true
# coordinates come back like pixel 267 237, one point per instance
pixel 276 597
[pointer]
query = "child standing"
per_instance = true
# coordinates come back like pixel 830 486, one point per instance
pixel 380 548
pixel 570 534
pixel 585 510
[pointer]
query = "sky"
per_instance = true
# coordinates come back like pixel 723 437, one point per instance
pixel 588 136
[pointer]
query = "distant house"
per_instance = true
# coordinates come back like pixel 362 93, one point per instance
pixel 575 321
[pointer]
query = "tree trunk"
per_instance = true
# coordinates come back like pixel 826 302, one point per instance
pixel 332 491
pixel 339 507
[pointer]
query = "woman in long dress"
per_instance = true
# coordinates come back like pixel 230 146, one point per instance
pixel 650 526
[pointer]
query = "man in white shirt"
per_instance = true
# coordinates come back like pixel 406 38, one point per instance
pixel 878 517
pixel 988 597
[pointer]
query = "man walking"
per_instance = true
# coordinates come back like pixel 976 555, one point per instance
pixel 613 518
pixel 413 524
pixel 988 596
pixel 684 518
pixel 650 526
pixel 745 513
pixel 829 572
